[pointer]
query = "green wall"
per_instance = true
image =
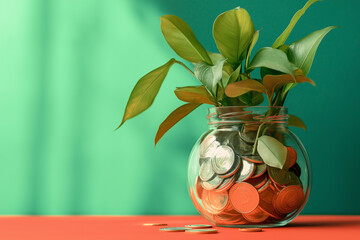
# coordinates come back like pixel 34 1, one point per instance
pixel 67 68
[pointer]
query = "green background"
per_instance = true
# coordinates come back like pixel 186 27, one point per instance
pixel 67 68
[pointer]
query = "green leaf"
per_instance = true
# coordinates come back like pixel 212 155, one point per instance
pixel 252 45
pixel 233 77
pixel 282 38
pixel 196 94
pixel 272 151
pixel 174 118
pixel 145 91
pixel 233 31
pixel 209 75
pixel 252 98
pixel 239 88
pixel 273 82
pixel 302 52
pixel 274 59
pixel 182 39
pixel 295 121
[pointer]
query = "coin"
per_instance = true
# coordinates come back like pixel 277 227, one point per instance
pixel 253 158
pixel 246 170
pixel 214 202
pixel 283 176
pixel 289 199
pixel 201 231
pixel 293 156
pixel 223 160
pixel 227 183
pixel 208 146
pixel 266 185
pixel 248 136
pixel 202 160
pixel 239 145
pixel 256 216
pixel 154 224
pixel 235 168
pixel 174 229
pixel 266 203
pixel 212 183
pixel 258 182
pixel 250 229
pixel 196 226
pixel 244 197
pixel 206 172
pixel 260 169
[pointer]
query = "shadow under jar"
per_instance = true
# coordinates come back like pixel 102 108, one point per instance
pixel 229 182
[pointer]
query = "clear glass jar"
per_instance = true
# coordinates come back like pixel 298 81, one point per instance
pixel 235 175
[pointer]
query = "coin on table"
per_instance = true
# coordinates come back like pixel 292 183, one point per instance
pixel 212 183
pixel 206 172
pixel 223 160
pixel 253 158
pixel 260 169
pixel 250 229
pixel 244 197
pixel 235 168
pixel 239 145
pixel 289 199
pixel 174 229
pixel 154 224
pixel 256 216
pixel 197 226
pixel 214 202
pixel 246 170
pixel 201 231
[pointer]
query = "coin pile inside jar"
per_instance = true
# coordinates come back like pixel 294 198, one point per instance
pixel 238 188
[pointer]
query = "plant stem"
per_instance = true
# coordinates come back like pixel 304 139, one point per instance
pixel 257 138
pixel 182 64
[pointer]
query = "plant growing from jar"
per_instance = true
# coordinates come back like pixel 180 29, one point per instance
pixel 226 81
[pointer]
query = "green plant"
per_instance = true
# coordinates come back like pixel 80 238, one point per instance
pixel 226 76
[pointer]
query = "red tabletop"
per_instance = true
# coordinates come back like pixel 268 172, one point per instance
pixel 130 227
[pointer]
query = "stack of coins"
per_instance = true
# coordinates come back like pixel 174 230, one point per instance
pixel 238 188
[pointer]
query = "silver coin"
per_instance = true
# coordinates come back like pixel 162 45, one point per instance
pixel 174 229
pixel 248 136
pixel 235 168
pixel 208 146
pixel 201 160
pixel 223 160
pixel 265 186
pixel 227 183
pixel 239 145
pixel 253 158
pixel 212 183
pixel 246 170
pixel 259 170
pixel 195 226
pixel 206 171
pixel 202 231
pixel 222 136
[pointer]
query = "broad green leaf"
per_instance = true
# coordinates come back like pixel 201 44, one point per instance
pixel 145 91
pixel 252 98
pixel 282 38
pixel 227 69
pixel 302 52
pixel 196 94
pixel 209 75
pixel 174 118
pixel 295 121
pixel 233 77
pixel 252 45
pixel 272 58
pixel 182 39
pixel 272 151
pixel 239 88
pixel 233 31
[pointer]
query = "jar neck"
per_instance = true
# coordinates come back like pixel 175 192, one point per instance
pixel 232 117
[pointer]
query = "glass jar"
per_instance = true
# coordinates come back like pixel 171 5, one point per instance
pixel 249 169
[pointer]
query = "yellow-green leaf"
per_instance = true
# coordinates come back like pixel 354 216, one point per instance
pixel 209 75
pixel 196 94
pixel 174 118
pixel 252 45
pixel 239 88
pixel 282 38
pixel 145 91
pixel 295 121
pixel 233 31
pixel 272 151
pixel 182 39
